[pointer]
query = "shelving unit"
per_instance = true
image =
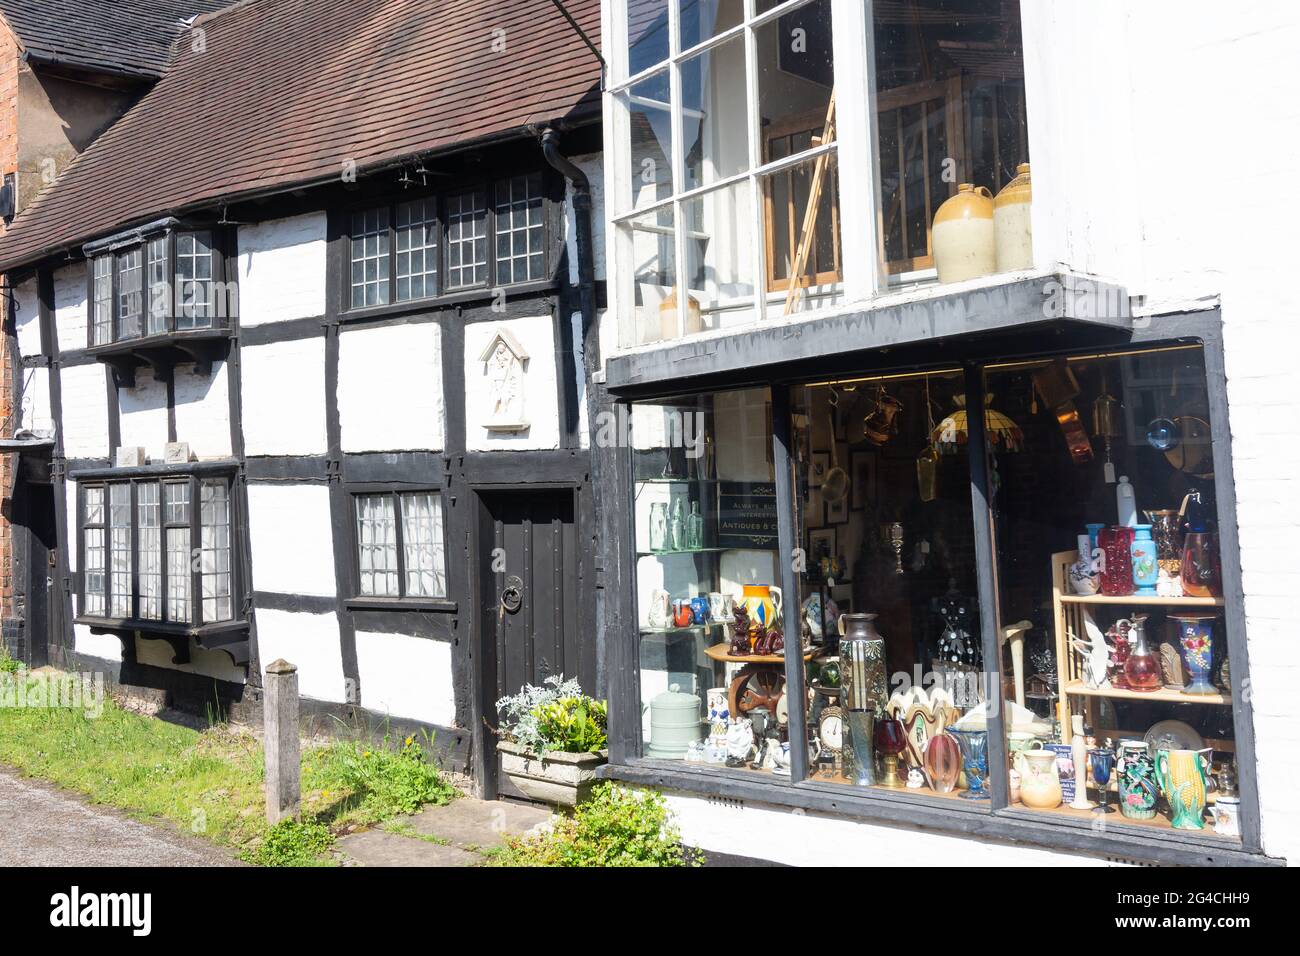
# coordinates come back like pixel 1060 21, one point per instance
pixel 1068 611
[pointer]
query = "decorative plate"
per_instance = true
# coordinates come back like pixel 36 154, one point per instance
pixel 1172 735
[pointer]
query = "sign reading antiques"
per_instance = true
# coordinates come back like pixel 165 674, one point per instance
pixel 747 514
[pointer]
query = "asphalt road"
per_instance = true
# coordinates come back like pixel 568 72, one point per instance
pixel 41 825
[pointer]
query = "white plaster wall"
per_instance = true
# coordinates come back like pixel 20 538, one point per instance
pixel 541 397
pixel 1162 137
pixel 311 641
pixel 104 646
pixel 85 411
pixel 203 661
pixel 390 388
pixel 292 547
pixel 406 676
pixel 74 558
pixel 282 271
pixel 70 306
pixel 284 398
pixel 27 317
pixel 801 838
pixel 593 165
pixel 203 410
pixel 143 414
pixel 37 416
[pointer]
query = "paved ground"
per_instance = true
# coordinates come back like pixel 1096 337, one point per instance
pixel 41 825
pixel 452 835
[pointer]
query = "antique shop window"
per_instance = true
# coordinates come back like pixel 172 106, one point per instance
pixel 137 545
pixel 167 283
pixel 888 592
pixel 950 115
pixel 1119 698
pixel 708 603
pixel 708 208
pixel 400 545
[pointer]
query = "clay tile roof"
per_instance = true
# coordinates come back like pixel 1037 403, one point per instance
pixel 120 37
pixel 289 91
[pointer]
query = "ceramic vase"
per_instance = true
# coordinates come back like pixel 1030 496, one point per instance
pixel 763 603
pixel 1012 233
pixel 942 762
pixel 1116 543
pixel 1146 572
pixel 1182 778
pixel 975 761
pixel 1138 788
pixel 1085 578
pixel 863 679
pixel 1040 784
pixel 1196 638
pixel 963 237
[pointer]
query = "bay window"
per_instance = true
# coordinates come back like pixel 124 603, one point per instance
pixel 732 123
pixel 157 285
pixel 138 556
pixel 491 233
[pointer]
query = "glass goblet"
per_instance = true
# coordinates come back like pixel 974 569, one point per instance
pixel 1102 762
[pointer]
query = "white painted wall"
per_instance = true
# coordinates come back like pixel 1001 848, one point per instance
pixel 143 414
pixel 37 416
pixel 390 388
pixel 204 661
pixel 203 410
pixel 282 269
pixel 311 641
pixel 27 317
pixel 284 398
pixel 593 165
pixel 70 306
pixel 541 394
pixel 85 411
pixel 104 646
pixel 292 546
pixel 406 676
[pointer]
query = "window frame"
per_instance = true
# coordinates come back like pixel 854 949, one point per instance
pixel 486 183
pixel 193 480
pixel 996 820
pixel 221 273
pixel 401 601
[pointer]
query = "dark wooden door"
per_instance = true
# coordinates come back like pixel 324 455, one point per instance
pixel 532 581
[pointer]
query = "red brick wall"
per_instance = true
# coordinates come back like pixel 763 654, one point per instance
pixel 8 164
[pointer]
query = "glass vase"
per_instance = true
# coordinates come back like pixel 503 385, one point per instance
pixel 1142 669
pixel 1200 567
pixel 1116 544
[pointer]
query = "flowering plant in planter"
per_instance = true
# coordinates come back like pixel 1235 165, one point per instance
pixel 553 739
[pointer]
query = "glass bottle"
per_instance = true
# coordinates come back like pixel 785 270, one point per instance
pixel 695 528
pixel 659 526
pixel 677 526
pixel 1142 669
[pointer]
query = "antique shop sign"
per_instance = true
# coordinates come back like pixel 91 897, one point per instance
pixel 746 514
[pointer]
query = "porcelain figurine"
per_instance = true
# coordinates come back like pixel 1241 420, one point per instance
pixel 915 779
pixel 1182 778
pixel 1085 573
pixel 740 741
pixel 1094 651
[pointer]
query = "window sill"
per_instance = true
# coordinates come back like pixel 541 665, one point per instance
pixel 474 295
pixel 228 636
pixel 162 351
pixel 400 604
pixel 956 818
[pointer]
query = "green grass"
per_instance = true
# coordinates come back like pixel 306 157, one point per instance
pixel 210 782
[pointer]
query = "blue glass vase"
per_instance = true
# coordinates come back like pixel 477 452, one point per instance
pixel 975 761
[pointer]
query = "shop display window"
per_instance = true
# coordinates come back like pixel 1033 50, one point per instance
pixel 1119 703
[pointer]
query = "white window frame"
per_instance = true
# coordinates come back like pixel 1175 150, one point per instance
pixel 854 149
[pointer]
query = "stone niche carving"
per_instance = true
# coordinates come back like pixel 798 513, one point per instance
pixel 505 368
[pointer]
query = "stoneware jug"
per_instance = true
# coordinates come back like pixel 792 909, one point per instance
pixel 1040 785
pixel 1182 778
pixel 1138 789
pixel 1011 227
pixel 763 603
pixel 964 246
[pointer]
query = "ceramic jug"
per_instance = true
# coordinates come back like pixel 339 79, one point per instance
pixel 1085 576
pixel 1011 226
pixel 963 238
pixel 660 612
pixel 1182 778
pixel 763 603
pixel 1040 784
pixel 1138 788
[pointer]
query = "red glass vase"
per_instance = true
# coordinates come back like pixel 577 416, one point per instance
pixel 1116 544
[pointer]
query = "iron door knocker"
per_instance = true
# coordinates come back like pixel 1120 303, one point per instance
pixel 512 598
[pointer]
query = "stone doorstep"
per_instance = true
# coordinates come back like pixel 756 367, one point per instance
pixel 381 848
pixel 468 822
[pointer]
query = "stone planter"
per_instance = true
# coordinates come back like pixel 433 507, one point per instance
pixel 559 779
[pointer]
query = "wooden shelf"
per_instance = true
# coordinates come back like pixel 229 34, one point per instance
pixel 1167 694
pixel 719 652
pixel 1159 822
pixel 1142 600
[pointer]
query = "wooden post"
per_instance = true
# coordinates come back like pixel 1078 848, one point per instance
pixel 280 740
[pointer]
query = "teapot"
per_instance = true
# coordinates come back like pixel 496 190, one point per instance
pixel 1040 784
